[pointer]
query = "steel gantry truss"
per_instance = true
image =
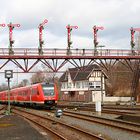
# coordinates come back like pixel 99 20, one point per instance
pixel 55 59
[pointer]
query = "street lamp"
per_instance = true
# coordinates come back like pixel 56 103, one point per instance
pixel 8 75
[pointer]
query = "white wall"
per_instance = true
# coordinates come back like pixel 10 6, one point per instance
pixel 97 96
pixel 115 99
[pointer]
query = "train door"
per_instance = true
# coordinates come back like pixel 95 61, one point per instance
pixel 30 95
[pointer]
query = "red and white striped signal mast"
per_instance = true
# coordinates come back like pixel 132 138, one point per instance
pixel 11 41
pixel 41 42
pixel 95 30
pixel 132 42
pixel 69 29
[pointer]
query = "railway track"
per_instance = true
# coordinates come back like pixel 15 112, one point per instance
pixel 4 107
pixel 122 108
pixel 116 111
pixel 57 128
pixel 127 126
pixel 109 111
pixel 136 108
pixel 3 110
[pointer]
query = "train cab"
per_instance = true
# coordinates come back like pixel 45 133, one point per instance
pixel 50 94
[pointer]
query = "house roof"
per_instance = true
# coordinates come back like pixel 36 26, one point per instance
pixel 78 74
pixel 64 77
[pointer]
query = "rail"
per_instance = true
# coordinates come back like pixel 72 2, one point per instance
pixel 124 125
pixel 41 119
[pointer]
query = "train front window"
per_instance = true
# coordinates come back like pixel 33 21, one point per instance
pixel 48 91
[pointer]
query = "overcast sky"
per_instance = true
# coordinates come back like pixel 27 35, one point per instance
pixel 116 16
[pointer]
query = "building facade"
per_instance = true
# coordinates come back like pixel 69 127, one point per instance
pixel 84 84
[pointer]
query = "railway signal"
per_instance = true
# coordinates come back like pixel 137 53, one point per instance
pixel 8 75
pixel 11 41
pixel 69 30
pixel 136 75
pixel 2 25
pixel 95 30
pixel 41 42
pixel 132 42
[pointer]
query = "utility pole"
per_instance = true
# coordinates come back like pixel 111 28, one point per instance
pixel 69 30
pixel 8 75
pixel 41 42
pixel 11 41
pixel 95 30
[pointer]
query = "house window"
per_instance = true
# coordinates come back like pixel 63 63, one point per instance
pixel 83 84
pixel 91 85
pixel 77 84
pixel 63 85
pixel 95 85
pixel 74 84
pixel 99 74
pixel 98 84
pixel 86 85
pixel 69 85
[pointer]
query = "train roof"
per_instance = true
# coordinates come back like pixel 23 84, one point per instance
pixel 33 85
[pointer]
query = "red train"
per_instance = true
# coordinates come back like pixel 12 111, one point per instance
pixel 41 94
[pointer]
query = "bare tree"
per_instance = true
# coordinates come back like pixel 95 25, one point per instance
pixel 49 75
pixel 38 77
pixel 119 80
pixel 23 83
pixel 3 87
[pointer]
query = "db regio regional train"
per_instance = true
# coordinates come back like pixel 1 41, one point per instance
pixel 41 94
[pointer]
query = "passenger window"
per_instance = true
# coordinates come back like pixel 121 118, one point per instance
pixel 34 91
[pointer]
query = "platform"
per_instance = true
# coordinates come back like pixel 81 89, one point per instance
pixel 13 127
